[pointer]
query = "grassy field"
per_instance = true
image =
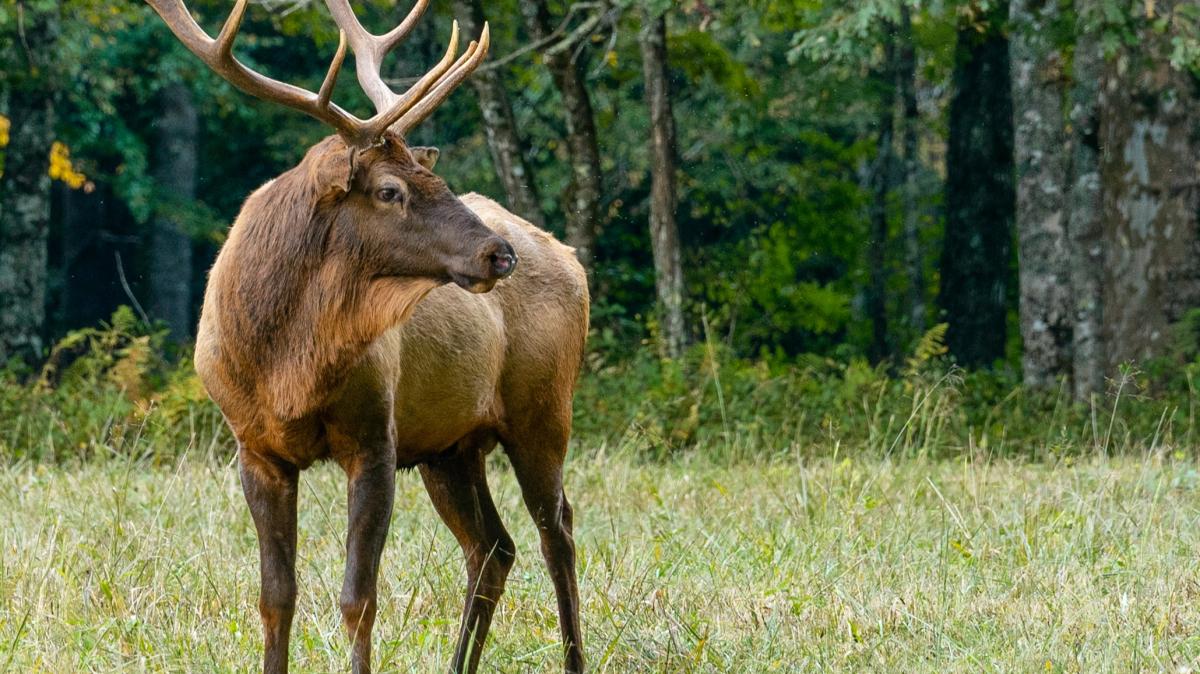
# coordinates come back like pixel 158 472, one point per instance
pixel 686 565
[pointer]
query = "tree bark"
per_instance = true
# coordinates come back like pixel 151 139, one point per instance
pixel 582 199
pixel 25 226
pixel 504 142
pixel 881 186
pixel 1151 197
pixel 25 196
pixel 1084 225
pixel 170 245
pixel 914 253
pixel 664 231
pixel 1041 160
pixel 977 251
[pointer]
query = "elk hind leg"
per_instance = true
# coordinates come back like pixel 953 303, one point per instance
pixel 457 485
pixel 537 457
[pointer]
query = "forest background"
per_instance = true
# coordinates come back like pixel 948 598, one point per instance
pixel 815 194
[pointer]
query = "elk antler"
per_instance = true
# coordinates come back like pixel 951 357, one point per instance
pixel 414 105
pixel 399 112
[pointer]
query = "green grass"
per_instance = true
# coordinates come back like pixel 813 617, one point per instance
pixel 788 564
pixel 732 516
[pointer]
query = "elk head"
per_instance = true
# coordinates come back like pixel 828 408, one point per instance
pixel 387 215
pixel 377 198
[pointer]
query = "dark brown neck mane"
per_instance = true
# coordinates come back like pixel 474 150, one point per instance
pixel 295 309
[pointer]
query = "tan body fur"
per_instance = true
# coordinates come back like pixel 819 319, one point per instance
pixel 461 364
pixel 467 362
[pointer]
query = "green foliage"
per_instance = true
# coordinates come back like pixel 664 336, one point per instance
pixel 699 55
pixel 1119 24
pixel 712 402
pixel 1185 42
pixel 789 284
pixel 1187 337
pixel 932 345
pixel 106 390
pixel 110 390
pixel 118 353
pixel 844 33
pixel 87 69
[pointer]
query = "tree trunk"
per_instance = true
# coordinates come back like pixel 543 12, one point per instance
pixel 914 253
pixel 170 244
pixel 25 225
pixel 582 199
pixel 881 186
pixel 1041 159
pixel 25 194
pixel 664 231
pixel 1151 196
pixel 977 252
pixel 505 143
pixel 1086 249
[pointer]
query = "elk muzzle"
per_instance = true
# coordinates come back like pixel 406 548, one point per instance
pixel 494 260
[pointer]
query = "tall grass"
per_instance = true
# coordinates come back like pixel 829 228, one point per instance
pixel 786 564
pixel 731 516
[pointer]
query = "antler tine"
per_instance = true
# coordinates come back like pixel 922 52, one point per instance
pixel 370 49
pixel 428 103
pixel 335 67
pixel 419 101
pixel 402 104
pixel 218 55
pixel 361 40
pixel 224 41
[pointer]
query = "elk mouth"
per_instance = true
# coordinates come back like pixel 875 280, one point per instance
pixel 498 260
pixel 473 284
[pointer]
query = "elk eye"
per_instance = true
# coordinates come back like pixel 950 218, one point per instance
pixel 388 195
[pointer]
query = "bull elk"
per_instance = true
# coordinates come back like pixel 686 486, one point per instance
pixel 332 328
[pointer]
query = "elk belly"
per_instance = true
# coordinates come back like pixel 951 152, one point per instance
pixel 450 356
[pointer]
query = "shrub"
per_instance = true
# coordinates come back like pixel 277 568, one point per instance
pixel 110 390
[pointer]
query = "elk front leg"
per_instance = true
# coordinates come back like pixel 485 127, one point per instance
pixel 270 489
pixel 372 488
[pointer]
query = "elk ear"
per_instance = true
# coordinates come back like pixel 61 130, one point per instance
pixel 425 156
pixel 334 171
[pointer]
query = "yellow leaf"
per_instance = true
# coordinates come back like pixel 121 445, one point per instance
pixel 61 167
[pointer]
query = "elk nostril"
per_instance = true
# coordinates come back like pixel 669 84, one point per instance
pixel 503 263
